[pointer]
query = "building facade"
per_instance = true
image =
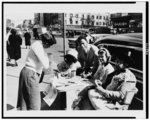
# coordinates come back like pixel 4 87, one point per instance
pixel 77 20
pixel 87 19
pixel 126 22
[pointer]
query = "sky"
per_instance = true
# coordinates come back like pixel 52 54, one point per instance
pixel 20 12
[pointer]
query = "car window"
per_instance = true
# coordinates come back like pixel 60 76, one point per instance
pixel 136 56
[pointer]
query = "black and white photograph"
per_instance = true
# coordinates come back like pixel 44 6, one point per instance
pixel 74 59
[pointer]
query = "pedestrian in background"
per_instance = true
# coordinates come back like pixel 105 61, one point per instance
pixel 27 37
pixel 29 91
pixel 15 42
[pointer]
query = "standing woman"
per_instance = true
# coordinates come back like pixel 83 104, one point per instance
pixel 15 42
pixel 29 91
pixel 27 37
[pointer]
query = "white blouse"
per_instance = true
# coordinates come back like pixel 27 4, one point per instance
pixel 37 58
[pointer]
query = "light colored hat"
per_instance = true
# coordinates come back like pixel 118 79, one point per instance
pixel 43 30
pixel 73 53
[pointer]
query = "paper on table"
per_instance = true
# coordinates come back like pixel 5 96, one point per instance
pixel 50 99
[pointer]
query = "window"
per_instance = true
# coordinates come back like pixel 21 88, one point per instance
pixel 76 22
pixel 83 16
pixel 103 23
pixel 104 17
pixel 134 54
pixel 76 16
pixel 96 23
pixel 71 21
pixel 100 17
pixel 71 15
pixel 92 16
pixel 97 17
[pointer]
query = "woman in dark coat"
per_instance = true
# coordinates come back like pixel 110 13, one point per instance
pixel 27 39
pixel 15 49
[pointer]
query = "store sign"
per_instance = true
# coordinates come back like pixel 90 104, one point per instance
pixel 121 24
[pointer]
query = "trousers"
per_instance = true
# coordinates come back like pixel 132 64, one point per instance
pixel 28 92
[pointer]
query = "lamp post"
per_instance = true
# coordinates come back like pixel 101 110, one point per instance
pixel 64 34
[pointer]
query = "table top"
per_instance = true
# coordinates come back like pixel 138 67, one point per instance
pixel 65 84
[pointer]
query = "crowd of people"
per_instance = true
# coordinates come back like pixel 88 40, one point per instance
pixel 110 83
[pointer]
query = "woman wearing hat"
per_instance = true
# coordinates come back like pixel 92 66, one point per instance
pixel 115 94
pixel 70 64
pixel 29 90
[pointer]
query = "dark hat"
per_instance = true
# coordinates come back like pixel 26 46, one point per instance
pixel 13 31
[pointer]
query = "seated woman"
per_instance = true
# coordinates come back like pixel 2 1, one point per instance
pixel 104 69
pixel 114 96
pixel 69 66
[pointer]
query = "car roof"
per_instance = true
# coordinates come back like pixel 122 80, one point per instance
pixel 136 35
pixel 129 39
pixel 99 35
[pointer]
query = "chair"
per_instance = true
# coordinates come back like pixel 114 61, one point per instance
pixel 128 99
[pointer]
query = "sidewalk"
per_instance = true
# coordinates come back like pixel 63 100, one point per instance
pixel 12 78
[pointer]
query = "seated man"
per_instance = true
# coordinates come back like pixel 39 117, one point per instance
pixel 87 57
pixel 115 94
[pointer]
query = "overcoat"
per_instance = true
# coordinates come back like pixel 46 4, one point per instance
pixel 15 42
pixel 27 38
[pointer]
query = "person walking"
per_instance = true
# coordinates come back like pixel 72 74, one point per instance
pixel 27 37
pixel 29 91
pixel 15 42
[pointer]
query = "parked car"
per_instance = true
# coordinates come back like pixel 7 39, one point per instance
pixel 99 30
pixel 130 43
pixel 98 36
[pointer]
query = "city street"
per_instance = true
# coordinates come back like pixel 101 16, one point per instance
pixel 12 73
